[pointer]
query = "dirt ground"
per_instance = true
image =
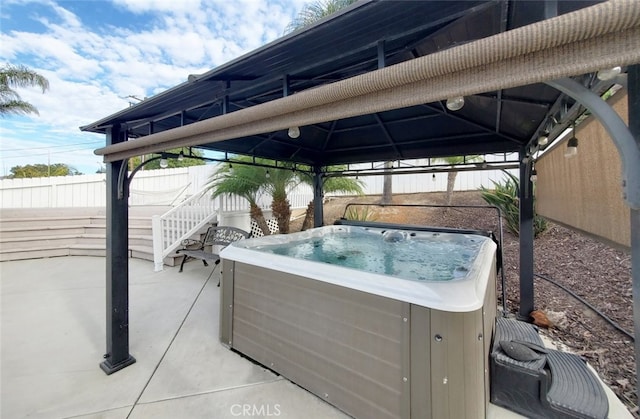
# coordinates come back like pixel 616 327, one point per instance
pixel 594 271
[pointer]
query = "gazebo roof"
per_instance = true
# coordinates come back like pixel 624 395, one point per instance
pixel 356 41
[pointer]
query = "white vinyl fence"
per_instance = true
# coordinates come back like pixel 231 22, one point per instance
pixel 149 187
pixel 173 186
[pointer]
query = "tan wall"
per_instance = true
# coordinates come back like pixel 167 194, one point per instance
pixel 584 192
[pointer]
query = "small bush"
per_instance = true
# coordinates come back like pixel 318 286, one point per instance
pixel 359 214
pixel 504 195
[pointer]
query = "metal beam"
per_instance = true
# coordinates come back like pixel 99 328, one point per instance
pixel 117 273
pixel 442 110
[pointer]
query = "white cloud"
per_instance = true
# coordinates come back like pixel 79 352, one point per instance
pixel 92 68
pixel 161 6
pixel 68 18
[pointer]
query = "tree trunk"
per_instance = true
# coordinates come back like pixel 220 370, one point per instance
pixel 282 212
pixel 256 214
pixel 387 193
pixel 451 182
pixel 308 217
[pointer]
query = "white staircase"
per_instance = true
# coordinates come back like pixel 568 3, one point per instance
pixel 189 218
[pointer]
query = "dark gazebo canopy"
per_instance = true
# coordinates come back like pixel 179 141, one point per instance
pixel 362 38
pixel 370 83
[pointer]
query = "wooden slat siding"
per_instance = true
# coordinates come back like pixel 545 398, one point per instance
pixel 457 370
pixel 489 312
pixel 343 345
pixel 319 326
pixel 585 192
pixel 421 341
pixel 226 301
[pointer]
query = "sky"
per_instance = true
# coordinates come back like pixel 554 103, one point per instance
pixel 100 55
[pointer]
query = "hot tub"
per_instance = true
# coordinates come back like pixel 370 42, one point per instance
pixel 375 329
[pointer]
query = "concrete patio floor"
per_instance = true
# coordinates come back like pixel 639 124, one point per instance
pixel 52 330
pixel 53 339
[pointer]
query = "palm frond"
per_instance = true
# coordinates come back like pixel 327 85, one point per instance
pixel 313 12
pixel 20 76
pixel 17 107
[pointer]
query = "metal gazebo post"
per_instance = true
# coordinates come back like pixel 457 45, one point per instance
pixel 318 213
pixel 633 97
pixel 526 237
pixel 117 273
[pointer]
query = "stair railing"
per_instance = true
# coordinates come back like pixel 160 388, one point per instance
pixel 180 223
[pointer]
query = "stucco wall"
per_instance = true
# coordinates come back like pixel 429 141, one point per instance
pixel 584 192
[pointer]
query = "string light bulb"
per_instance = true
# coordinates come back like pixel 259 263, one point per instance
pixel 543 140
pixel 164 163
pixel 609 73
pixel 294 132
pixel 572 145
pixel 455 103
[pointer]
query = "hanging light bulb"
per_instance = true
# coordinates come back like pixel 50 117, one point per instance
pixel 164 163
pixel 455 103
pixel 181 156
pixel 543 140
pixel 268 175
pixel 534 175
pixel 572 145
pixel 294 132
pixel 433 177
pixel 609 73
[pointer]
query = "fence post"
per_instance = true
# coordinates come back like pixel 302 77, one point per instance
pixel 158 259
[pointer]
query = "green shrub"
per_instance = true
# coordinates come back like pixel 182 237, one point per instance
pixel 504 195
pixel 359 214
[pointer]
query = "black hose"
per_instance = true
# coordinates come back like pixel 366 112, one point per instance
pixel 595 310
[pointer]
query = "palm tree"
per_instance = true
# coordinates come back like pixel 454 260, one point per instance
pixel 278 183
pixel 244 181
pixel 451 176
pixel 331 184
pixel 313 12
pixel 15 76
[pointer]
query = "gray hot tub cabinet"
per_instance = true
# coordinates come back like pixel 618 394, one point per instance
pixel 370 356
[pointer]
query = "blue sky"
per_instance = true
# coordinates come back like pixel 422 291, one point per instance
pixel 97 53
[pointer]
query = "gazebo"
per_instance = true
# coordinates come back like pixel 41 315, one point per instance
pixel 385 81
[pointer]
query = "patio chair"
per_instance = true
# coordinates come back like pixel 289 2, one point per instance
pixel 216 239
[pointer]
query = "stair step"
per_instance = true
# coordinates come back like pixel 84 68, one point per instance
pixel 574 389
pixel 8 244
pixel 146 253
pixel 25 243
pixel 43 252
pixel 24 232
pixel 40 233
pixel 556 385
pixel 46 221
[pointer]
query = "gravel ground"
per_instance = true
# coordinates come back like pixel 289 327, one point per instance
pixel 594 271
